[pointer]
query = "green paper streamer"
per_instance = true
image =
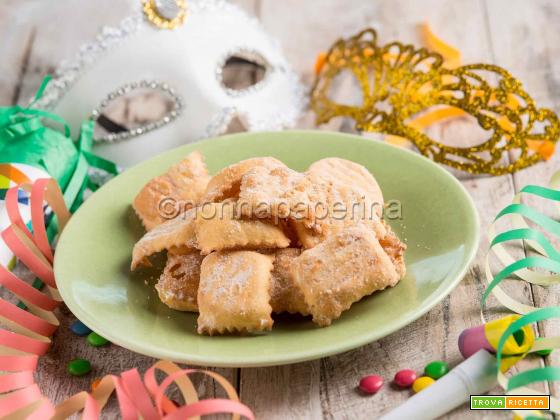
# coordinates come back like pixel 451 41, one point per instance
pixel 534 375
pixel 24 138
pixel 549 259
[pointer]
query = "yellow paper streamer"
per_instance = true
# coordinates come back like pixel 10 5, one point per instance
pixel 450 54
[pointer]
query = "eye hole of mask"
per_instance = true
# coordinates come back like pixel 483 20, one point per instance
pixel 242 70
pixel 139 109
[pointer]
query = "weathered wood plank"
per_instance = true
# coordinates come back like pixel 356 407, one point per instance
pixel 17 40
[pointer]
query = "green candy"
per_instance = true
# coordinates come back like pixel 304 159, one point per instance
pixel 96 340
pixel 436 369
pixel 79 367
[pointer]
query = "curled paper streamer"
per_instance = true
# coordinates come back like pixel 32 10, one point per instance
pixel 450 54
pixel 11 174
pixel 517 384
pixel 26 139
pixel 547 260
pixel 26 336
pixel 31 149
pixel 548 257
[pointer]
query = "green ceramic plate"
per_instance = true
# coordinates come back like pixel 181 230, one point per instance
pixel 439 223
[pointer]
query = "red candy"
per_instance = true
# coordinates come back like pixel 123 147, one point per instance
pixel 405 378
pixel 371 384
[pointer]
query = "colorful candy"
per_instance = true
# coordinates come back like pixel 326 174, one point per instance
pixel 96 340
pixel 79 328
pixel 421 383
pixel 79 367
pixel 436 369
pixel 405 378
pixel 371 384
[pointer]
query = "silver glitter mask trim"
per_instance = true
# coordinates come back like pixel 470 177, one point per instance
pixel 124 90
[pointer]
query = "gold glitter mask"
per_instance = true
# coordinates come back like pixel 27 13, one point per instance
pixel 400 83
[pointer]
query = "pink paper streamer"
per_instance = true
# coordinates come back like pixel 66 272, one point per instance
pixel 21 395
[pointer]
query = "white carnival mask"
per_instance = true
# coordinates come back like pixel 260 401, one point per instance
pixel 184 62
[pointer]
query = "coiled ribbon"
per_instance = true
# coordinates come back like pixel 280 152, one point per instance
pixel 27 335
pixel 547 259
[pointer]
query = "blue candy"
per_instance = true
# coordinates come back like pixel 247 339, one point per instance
pixel 79 328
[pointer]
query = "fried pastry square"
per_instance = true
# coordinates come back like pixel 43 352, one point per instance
pixel 343 206
pixel 226 183
pixel 352 174
pixel 394 248
pixel 182 186
pixel 280 193
pixel 285 296
pixel 175 233
pixel 342 270
pixel 234 293
pixel 307 238
pixel 177 286
pixel 220 226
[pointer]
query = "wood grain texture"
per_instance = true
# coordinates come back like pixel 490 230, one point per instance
pixel 518 35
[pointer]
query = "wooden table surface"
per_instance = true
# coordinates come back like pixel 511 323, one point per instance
pixel 519 35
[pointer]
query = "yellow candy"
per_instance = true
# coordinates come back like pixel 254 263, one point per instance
pixel 421 383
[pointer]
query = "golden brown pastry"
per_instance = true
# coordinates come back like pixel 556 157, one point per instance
pixel 234 293
pixel 225 184
pixel 352 174
pixel 178 232
pixel 219 226
pixel 280 193
pixel 395 249
pixel 284 295
pixel 342 270
pixel 177 286
pixel 344 206
pixel 182 185
pixel 261 238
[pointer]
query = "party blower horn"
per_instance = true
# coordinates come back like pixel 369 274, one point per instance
pixel 476 375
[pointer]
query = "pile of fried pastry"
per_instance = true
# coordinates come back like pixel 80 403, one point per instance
pixel 259 238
